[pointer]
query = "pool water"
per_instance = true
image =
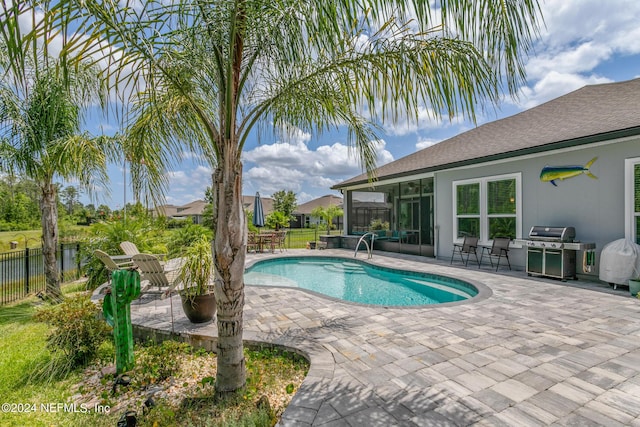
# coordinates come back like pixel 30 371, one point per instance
pixel 359 282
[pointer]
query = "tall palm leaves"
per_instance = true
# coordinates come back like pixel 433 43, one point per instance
pixel 207 76
pixel 41 101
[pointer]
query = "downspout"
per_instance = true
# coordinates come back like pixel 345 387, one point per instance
pixel 436 227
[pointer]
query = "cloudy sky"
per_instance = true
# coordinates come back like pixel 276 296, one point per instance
pixel 584 42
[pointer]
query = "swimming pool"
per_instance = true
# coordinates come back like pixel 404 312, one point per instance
pixel 359 282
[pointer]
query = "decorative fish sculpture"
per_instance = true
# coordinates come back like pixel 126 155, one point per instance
pixel 552 173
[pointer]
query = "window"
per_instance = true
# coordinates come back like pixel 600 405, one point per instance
pixel 632 199
pixel 488 207
pixel 501 208
pixel 468 209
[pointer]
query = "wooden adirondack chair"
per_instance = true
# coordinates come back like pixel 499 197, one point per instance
pixel 110 264
pixel 156 273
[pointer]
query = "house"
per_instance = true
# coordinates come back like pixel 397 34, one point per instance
pixel 491 180
pixel 195 210
pixel 248 202
pixel 191 211
pixel 302 214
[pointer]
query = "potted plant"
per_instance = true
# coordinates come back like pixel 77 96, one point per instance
pixel 196 272
pixel 634 283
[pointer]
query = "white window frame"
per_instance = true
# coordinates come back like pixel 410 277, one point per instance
pixel 630 231
pixel 484 209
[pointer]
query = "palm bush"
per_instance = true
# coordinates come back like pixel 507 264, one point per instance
pixel 197 268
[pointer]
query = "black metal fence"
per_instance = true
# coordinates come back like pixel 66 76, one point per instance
pixel 22 272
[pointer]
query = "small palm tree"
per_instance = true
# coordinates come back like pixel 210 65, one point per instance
pixel 327 214
pixel 41 103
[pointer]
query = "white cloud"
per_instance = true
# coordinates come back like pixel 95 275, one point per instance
pixel 426 142
pixel 553 85
pixel 188 185
pixel 296 167
pixel 406 125
pixel 578 37
pixel 613 23
pixel 581 58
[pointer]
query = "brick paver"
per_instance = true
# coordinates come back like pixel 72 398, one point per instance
pixel 534 352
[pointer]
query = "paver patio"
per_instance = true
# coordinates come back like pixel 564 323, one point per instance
pixel 535 352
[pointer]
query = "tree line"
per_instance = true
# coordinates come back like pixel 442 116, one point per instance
pixel 20 208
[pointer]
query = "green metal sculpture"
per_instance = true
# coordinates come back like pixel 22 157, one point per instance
pixel 125 287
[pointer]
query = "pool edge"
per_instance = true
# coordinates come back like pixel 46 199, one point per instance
pixel 484 291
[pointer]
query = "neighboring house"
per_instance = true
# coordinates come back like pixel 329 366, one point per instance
pixel 248 202
pixel 165 210
pixel 487 181
pixel 302 214
pixel 191 211
pixel 194 210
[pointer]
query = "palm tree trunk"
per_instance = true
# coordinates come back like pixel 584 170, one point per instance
pixel 49 210
pixel 229 250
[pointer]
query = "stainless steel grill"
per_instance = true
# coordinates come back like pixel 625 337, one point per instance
pixel 551 251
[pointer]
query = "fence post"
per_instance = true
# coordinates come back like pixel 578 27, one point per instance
pixel 26 270
pixel 62 262
pixel 78 258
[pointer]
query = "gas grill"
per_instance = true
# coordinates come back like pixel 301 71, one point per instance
pixel 551 251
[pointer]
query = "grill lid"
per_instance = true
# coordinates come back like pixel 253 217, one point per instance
pixel 558 234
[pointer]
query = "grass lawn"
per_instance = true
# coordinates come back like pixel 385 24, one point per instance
pixel 33 238
pixel 23 363
pixel 86 396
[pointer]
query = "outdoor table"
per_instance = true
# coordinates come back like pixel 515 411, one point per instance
pixel 266 239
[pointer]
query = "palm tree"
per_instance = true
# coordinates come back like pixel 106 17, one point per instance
pixel 327 214
pixel 41 101
pixel 209 75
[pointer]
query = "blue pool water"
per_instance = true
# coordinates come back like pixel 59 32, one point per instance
pixel 355 281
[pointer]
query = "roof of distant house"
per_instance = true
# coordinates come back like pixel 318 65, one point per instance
pixel 248 203
pixel 166 210
pixel 193 208
pixel 324 201
pixel 590 114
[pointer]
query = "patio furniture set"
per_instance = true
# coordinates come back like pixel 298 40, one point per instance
pixel 469 246
pixel 263 241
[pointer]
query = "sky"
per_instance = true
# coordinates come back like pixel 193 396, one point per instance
pixel 583 42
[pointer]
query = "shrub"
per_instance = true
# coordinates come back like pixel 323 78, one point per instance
pixel 78 330
pixel 158 362
pixel 182 238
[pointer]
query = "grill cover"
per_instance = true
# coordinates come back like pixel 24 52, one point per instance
pixel 557 234
pixel 619 261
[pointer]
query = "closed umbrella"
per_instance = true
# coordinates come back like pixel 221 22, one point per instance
pixel 258 212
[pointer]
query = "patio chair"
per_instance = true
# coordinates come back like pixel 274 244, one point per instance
pixel 499 249
pixel 130 248
pixel 469 246
pixel 110 264
pixel 155 273
pixel 280 240
pixel 253 242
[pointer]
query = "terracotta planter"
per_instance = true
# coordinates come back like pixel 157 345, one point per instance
pixel 634 287
pixel 199 309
